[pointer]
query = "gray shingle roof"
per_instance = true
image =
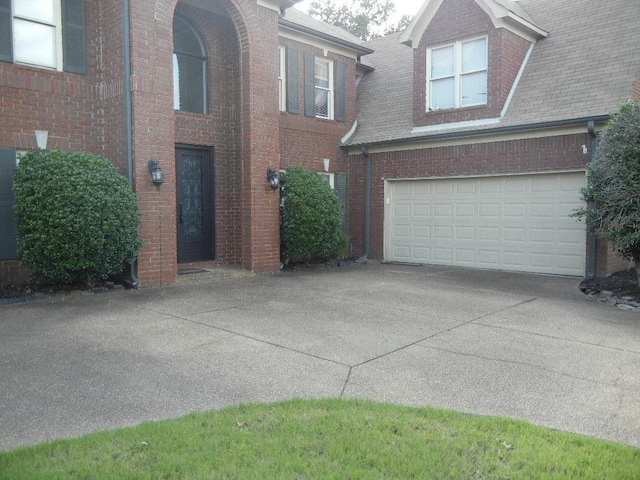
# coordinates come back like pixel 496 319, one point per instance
pixel 300 18
pixel 585 67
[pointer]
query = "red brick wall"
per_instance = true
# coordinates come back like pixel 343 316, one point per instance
pixel 517 156
pixel 607 259
pixel 112 84
pixel 459 20
pixel 306 140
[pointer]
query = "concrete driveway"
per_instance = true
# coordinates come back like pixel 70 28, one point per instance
pixel 523 346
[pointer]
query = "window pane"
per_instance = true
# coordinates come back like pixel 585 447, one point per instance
pixel 185 39
pixel 442 62
pixel 176 83
pixel 190 80
pixel 36 9
pixel 322 103
pixel 34 43
pixel 442 93
pixel 474 55
pixel 322 74
pixel 474 88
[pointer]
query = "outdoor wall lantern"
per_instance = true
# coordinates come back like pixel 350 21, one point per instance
pixel 273 179
pixel 155 172
pixel 41 138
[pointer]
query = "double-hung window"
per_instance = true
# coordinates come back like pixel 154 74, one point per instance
pixel 324 88
pixel 44 33
pixel 282 83
pixel 457 74
pixel 37 33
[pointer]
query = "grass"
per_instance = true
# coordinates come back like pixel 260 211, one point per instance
pixel 340 439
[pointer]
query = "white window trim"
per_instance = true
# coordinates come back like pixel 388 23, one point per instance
pixel 328 177
pixel 330 89
pixel 57 25
pixel 457 75
pixel 282 78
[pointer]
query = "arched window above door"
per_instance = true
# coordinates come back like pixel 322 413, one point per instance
pixel 189 67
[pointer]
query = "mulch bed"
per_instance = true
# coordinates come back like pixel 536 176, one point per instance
pixel 621 284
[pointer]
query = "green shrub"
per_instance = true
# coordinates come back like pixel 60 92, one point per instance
pixel 311 227
pixel 77 217
pixel 613 190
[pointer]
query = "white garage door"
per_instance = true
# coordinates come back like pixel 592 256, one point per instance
pixel 517 223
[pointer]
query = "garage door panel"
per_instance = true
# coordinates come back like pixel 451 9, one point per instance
pixel 421 210
pixel 518 223
pixel 465 233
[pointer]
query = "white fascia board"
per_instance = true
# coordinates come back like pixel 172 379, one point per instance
pixel 516 81
pixel 501 17
pixel 413 33
pixel 460 125
pixel 425 143
pixel 312 41
pixel 277 5
pixel 349 134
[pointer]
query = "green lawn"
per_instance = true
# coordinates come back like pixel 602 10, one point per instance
pixel 341 439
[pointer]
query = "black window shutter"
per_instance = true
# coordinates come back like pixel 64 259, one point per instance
pixel 293 81
pixel 341 192
pixel 341 91
pixel 6 35
pixel 73 36
pixel 8 244
pixel 309 84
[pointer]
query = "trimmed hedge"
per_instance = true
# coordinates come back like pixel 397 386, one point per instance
pixel 311 226
pixel 77 217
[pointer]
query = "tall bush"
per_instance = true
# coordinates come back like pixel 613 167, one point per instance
pixel 613 191
pixel 77 217
pixel 311 227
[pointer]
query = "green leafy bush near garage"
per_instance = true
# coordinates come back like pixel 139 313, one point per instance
pixel 613 191
pixel 77 217
pixel 311 226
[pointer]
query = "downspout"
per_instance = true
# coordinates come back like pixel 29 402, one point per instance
pixel 132 278
pixel 592 245
pixel 367 204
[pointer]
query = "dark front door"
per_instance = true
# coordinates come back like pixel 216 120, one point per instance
pixel 194 179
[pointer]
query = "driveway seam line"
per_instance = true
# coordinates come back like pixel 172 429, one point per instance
pixel 346 382
pixel 442 331
pixel 514 362
pixel 177 317
pixel 498 327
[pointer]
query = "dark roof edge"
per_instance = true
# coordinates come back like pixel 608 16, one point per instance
pixel 478 133
pixel 325 36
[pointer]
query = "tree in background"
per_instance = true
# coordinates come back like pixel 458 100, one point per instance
pixel 613 191
pixel 361 17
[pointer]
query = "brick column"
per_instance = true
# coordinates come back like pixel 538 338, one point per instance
pixel 260 138
pixel 153 137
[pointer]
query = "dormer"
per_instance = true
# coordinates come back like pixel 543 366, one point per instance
pixel 467 56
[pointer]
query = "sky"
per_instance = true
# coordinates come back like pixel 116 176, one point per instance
pixel 403 7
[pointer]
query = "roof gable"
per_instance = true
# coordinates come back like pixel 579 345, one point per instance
pixel 506 14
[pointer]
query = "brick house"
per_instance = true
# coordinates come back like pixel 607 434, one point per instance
pixel 475 128
pixel 462 141
pixel 192 84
